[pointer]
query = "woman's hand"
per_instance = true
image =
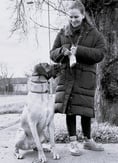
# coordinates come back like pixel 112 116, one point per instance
pixel 72 57
pixel 73 50
pixel 66 52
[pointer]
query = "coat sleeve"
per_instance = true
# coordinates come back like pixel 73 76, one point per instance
pixel 56 53
pixel 92 55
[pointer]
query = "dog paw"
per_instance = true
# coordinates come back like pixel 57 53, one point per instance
pixel 42 157
pixel 56 156
pixel 43 161
pixel 46 149
pixel 18 156
pixel 39 161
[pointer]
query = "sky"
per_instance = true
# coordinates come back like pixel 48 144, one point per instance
pixel 21 56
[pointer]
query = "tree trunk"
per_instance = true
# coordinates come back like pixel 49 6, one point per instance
pixel 106 99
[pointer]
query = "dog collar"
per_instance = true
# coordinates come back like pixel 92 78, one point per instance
pixel 39 87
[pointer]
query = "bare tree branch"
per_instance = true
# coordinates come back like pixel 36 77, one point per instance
pixel 43 26
pixel 20 15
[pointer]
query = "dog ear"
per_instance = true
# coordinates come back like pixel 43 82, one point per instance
pixel 46 70
pixel 54 70
pixel 40 70
pixel 46 66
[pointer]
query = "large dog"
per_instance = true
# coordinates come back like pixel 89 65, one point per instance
pixel 37 117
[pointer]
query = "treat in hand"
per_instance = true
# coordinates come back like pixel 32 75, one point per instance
pixel 66 52
pixel 72 57
pixel 73 49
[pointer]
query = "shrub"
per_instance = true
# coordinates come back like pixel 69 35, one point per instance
pixel 105 133
pixel 100 132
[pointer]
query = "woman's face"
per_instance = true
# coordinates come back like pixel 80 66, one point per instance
pixel 75 17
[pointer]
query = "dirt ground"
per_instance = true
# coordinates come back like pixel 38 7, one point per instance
pixel 9 124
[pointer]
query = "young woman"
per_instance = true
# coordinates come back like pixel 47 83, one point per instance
pixel 78 47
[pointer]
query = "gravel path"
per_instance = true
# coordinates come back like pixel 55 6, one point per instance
pixel 9 124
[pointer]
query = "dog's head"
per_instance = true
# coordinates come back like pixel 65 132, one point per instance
pixel 44 70
pixel 40 73
pixel 40 76
pixel 41 69
pixel 38 82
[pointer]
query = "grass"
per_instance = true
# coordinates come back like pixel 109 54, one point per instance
pixel 105 133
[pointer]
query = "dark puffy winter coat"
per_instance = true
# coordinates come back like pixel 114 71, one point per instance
pixel 76 86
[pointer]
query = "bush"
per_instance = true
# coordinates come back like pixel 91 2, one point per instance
pixel 102 133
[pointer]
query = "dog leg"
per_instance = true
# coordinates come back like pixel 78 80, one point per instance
pixel 17 154
pixel 20 141
pixel 34 130
pixel 23 142
pixel 52 142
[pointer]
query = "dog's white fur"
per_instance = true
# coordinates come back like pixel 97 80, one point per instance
pixel 37 124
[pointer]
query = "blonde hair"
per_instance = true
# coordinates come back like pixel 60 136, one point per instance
pixel 77 5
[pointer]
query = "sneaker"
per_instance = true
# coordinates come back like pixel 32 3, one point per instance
pixel 74 149
pixel 92 145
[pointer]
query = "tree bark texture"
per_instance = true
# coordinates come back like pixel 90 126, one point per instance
pixel 105 15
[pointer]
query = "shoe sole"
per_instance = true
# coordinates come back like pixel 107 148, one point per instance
pixel 95 149
pixel 76 154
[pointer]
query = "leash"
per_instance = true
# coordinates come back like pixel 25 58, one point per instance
pixel 78 39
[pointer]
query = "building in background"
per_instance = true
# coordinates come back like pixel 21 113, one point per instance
pixel 19 86
pixel 14 85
